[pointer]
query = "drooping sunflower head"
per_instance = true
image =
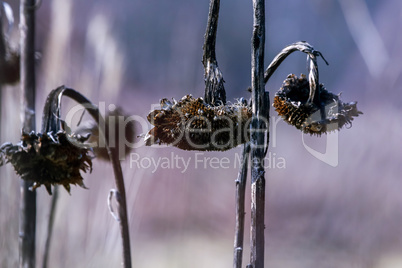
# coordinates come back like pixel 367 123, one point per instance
pixel 192 124
pixel 48 159
pixel 325 114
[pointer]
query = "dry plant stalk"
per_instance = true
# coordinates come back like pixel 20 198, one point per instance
pixel 118 174
pixel 240 207
pixel 215 93
pixel 259 125
pixel 27 223
pixel 114 158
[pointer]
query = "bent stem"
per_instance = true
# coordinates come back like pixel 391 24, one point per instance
pixel 312 55
pixel 214 89
pixel 51 122
pixel 301 46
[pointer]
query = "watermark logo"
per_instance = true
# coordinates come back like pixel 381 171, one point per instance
pixel 198 161
pixel 330 156
pixel 119 140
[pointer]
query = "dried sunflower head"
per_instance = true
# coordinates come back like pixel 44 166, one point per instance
pixel 329 114
pixel 192 124
pixel 48 159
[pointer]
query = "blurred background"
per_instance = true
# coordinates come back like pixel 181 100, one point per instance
pixel 133 53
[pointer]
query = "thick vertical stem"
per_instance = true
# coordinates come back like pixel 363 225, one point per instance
pixel 27 223
pixel 240 198
pixel 258 128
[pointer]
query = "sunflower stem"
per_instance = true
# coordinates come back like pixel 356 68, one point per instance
pixel 114 158
pixel 240 198
pixel 259 126
pixel 214 89
pixel 27 223
pixel 50 225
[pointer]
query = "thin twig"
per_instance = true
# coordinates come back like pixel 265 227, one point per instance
pixel 259 125
pixel 50 225
pixel 113 192
pixel 240 197
pixel 27 216
pixel 214 89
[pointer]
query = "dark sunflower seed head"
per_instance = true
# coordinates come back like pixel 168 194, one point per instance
pixel 48 159
pixel 192 124
pixel 330 114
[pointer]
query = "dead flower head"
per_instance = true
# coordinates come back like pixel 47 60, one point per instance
pixel 192 124
pixel 48 159
pixel 330 114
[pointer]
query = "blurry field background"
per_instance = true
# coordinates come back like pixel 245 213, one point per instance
pixel 132 53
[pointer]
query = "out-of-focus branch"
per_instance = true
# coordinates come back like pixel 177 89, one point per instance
pixel 368 39
pixel 9 59
pixel 214 89
pixel 27 223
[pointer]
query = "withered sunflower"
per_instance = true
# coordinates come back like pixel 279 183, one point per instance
pixel 48 159
pixel 192 124
pixel 325 114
